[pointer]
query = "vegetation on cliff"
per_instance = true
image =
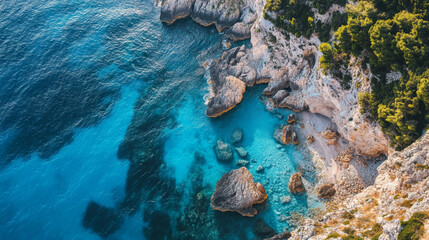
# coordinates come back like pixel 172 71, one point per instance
pixel 392 36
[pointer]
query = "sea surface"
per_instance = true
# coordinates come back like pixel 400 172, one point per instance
pixel 103 133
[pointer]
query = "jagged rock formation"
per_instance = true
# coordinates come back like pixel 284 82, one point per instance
pixel 261 229
pixel 296 186
pixel 238 16
pixel 400 190
pixel 237 192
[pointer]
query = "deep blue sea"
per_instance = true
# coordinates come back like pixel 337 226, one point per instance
pixel 103 132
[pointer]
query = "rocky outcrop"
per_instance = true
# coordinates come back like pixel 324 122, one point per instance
pixel 400 190
pixel 289 135
pixel 291 119
pixel 326 191
pixel 345 157
pixel 236 15
pixel 229 77
pixel 223 152
pixel 237 192
pixel 331 136
pixel 296 186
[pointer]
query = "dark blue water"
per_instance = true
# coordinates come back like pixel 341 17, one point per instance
pixel 103 132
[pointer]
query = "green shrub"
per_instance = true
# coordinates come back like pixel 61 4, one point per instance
pixel 413 228
pixel 333 235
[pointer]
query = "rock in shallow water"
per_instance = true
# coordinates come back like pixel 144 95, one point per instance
pixel 241 151
pixel 242 163
pixel 237 136
pixel 223 152
pixel 296 186
pixel 237 192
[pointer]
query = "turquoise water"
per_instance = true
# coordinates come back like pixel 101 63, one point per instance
pixel 103 132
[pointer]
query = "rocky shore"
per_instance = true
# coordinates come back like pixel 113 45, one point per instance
pixel 347 149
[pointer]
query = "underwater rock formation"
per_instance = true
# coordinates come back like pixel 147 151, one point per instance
pixel 326 191
pixel 237 192
pixel 241 152
pixel 223 152
pixel 237 136
pixel 102 220
pixel 261 229
pixel 296 186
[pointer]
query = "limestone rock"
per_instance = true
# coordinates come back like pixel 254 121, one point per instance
pixel 289 135
pixel 261 229
pixel 223 152
pixel 172 10
pixel 239 31
pixel 260 169
pixel 279 96
pixel 285 199
pixel 291 119
pixel 296 186
pixel 229 76
pixel 326 191
pixel 237 192
pixel 330 136
pixel 241 152
pixel 344 157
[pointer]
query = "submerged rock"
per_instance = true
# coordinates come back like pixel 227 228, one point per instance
pixel 296 186
pixel 326 191
pixel 241 151
pixel 242 163
pixel 260 169
pixel 223 152
pixel 261 229
pixel 285 199
pixel 96 217
pixel 237 192
pixel 237 136
pixel 281 236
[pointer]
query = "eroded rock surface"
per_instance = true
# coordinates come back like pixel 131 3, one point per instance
pixel 237 192
pixel 326 191
pixel 296 186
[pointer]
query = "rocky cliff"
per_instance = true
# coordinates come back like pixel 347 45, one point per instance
pixel 400 191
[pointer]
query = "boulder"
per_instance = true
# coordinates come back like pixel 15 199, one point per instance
pixel 289 135
pixel 172 10
pixel 223 152
pixel 242 163
pixel 237 136
pixel 260 169
pixel 331 136
pixel 296 186
pixel 261 229
pixel 285 199
pixel 291 119
pixel 326 191
pixel 228 94
pixel 237 192
pixel 241 152
pixel 345 157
